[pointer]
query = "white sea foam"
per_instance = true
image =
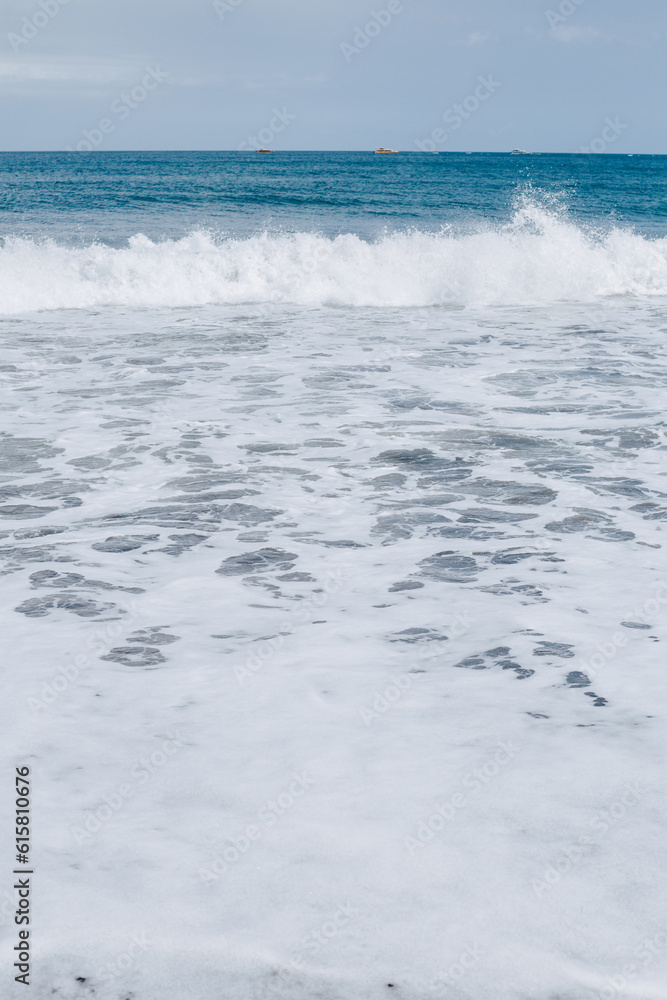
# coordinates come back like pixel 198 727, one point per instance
pixel 537 258
pixel 491 477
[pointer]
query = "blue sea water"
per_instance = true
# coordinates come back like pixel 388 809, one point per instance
pixel 111 196
pixel 332 493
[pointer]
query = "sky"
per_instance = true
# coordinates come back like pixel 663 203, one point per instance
pixel 542 75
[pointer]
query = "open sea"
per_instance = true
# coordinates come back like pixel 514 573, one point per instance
pixel 333 573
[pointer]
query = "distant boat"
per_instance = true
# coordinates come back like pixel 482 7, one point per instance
pixel 262 150
pixel 520 152
pixel 383 150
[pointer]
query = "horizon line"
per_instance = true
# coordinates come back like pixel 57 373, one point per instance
pixel 419 152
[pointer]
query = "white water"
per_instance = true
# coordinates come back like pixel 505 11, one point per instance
pixel 537 259
pixel 523 444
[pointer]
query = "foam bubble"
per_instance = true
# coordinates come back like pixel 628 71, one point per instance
pixel 537 258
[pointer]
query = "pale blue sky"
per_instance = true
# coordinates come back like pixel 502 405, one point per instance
pixel 592 72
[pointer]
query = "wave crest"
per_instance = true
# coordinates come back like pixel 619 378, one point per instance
pixel 535 259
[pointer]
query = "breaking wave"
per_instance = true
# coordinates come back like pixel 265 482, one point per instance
pixel 537 258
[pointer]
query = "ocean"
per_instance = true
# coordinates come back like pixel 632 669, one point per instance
pixel 333 488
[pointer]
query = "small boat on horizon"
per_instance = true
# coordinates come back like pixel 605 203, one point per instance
pixel 383 150
pixel 520 152
pixel 262 150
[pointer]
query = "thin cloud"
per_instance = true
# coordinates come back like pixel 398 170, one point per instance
pixel 282 81
pixel 68 70
pixel 478 38
pixel 573 34
pixel 475 38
